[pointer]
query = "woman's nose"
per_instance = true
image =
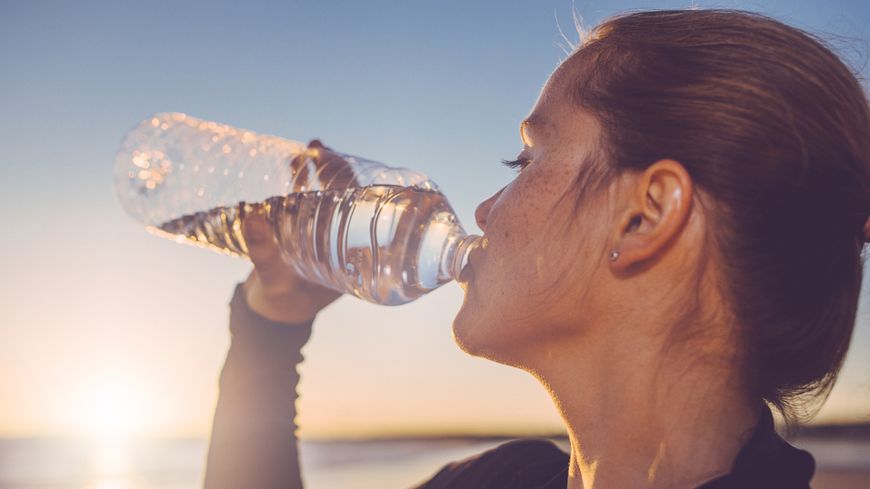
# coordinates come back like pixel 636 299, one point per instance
pixel 481 214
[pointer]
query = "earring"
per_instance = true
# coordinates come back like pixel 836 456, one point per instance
pixel 614 255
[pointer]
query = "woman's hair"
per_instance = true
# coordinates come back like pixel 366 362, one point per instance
pixel 776 129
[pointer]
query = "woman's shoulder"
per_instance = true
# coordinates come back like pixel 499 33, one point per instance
pixel 525 463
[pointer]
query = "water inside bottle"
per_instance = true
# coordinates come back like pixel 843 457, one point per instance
pixel 388 244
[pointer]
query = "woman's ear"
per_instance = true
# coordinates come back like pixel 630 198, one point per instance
pixel 658 207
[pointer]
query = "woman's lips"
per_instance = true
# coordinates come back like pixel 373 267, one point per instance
pixel 466 273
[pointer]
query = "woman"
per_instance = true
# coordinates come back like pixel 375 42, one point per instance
pixel 680 249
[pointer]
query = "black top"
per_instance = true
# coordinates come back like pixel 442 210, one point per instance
pixel 253 442
pixel 766 461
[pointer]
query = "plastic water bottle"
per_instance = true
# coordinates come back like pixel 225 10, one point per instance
pixel 387 235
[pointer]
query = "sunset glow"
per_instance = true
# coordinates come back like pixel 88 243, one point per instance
pixel 110 409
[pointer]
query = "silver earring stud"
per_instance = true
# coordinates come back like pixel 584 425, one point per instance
pixel 614 255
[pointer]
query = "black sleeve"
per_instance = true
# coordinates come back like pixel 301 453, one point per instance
pixel 253 439
pixel 518 464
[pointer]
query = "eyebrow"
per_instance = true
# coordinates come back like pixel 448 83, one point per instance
pixel 531 121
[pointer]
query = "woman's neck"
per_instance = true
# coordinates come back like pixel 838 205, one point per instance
pixel 640 418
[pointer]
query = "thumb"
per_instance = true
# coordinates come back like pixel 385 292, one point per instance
pixel 262 247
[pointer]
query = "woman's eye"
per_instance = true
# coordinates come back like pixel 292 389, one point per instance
pixel 518 164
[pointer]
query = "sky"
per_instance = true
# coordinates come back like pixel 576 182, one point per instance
pixel 106 327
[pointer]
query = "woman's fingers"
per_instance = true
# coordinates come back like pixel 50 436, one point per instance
pixel 274 289
pixel 335 171
pixel 262 247
pixel 275 275
pixel 318 168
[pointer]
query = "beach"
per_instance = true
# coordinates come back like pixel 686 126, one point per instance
pixel 52 463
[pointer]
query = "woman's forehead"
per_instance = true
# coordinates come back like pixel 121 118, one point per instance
pixel 558 86
pixel 545 113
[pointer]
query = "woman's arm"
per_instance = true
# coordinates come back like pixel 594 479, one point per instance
pixel 253 441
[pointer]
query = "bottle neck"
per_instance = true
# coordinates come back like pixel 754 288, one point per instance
pixel 457 254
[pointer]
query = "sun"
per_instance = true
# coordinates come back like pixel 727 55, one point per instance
pixel 110 407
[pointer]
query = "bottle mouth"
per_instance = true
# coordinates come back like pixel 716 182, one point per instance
pixel 463 251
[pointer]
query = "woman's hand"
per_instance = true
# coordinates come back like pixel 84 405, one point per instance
pixel 273 289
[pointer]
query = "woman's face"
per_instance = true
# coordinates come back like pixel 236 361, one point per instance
pixel 530 283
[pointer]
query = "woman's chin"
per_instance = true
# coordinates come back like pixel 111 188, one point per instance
pixel 466 328
pixel 471 335
pixel 461 327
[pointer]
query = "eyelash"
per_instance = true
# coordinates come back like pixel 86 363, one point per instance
pixel 518 164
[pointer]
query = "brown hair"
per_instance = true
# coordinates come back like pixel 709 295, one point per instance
pixel 776 129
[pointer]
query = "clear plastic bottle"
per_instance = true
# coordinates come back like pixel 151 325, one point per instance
pixel 387 235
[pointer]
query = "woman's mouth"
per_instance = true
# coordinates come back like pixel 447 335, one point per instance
pixel 466 273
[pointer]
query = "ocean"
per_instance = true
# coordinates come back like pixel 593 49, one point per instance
pixel 45 463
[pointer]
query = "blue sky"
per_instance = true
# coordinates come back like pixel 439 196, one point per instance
pixel 437 86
